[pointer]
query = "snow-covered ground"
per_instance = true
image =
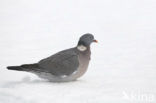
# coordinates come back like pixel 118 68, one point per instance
pixel 123 65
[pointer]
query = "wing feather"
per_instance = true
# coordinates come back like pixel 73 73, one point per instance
pixel 62 63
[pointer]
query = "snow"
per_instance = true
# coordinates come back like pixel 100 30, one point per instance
pixel 122 69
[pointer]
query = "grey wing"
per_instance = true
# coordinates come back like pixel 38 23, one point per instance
pixel 63 63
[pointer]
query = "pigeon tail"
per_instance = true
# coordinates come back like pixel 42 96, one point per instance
pixel 19 68
pixel 25 67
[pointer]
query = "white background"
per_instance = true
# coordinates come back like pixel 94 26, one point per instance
pixel 124 60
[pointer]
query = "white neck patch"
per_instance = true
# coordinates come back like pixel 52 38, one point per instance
pixel 81 48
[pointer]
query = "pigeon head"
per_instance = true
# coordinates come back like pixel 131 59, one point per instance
pixel 85 41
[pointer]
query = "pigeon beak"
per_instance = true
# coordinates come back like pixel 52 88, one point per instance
pixel 95 41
